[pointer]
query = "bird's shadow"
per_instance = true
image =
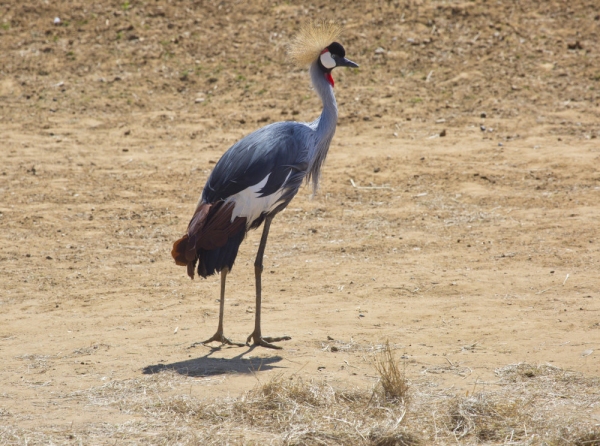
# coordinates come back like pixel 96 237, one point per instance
pixel 207 366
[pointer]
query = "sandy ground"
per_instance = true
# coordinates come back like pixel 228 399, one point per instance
pixel 457 215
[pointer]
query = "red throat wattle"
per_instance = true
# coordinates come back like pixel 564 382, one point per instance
pixel 329 78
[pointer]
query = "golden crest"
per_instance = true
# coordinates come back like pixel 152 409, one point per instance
pixel 312 39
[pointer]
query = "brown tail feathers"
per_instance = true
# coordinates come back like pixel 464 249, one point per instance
pixel 209 229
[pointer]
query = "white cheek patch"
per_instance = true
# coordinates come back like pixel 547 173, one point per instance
pixel 327 60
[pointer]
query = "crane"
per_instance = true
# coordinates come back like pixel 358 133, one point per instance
pixel 259 175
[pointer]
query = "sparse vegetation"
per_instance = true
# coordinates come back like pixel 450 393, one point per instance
pixel 290 410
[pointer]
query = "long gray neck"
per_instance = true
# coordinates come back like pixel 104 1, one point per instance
pixel 324 125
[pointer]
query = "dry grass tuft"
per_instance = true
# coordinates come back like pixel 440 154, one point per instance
pixel 577 435
pixel 378 438
pixel 392 382
pixel 523 372
pixel 488 418
pixel 314 412
pixel 283 391
pixel 588 439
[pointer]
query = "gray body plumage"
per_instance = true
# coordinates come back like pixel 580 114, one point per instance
pixel 283 153
pixel 278 149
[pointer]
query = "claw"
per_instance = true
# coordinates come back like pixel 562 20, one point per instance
pixel 266 341
pixel 219 337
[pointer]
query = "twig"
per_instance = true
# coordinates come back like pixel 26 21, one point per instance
pixel 348 364
pixel 368 187
pixel 399 420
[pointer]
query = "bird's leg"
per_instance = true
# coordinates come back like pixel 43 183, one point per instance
pixel 219 336
pixel 258 268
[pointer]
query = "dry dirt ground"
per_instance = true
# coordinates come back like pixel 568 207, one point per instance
pixel 457 215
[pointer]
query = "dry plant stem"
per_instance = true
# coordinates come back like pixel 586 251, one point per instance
pixel 256 335
pixel 219 336
pixel 392 381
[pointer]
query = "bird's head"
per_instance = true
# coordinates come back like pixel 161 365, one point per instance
pixel 331 57
pixel 316 43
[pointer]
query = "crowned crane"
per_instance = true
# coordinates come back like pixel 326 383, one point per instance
pixel 259 175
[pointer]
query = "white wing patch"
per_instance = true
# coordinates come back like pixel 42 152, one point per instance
pixel 250 204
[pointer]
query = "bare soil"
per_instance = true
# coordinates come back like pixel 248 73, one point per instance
pixel 457 216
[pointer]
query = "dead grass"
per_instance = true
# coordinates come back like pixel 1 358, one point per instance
pixel 535 404
pixel 529 405
pixel 488 418
pixel 591 438
pixel 392 383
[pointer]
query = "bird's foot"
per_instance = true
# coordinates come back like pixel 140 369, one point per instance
pixel 266 341
pixel 219 337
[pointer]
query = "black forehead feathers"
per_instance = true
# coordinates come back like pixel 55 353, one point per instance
pixel 337 49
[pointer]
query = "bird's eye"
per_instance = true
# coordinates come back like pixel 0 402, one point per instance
pixel 327 61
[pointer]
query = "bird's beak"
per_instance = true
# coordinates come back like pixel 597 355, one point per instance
pixel 343 62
